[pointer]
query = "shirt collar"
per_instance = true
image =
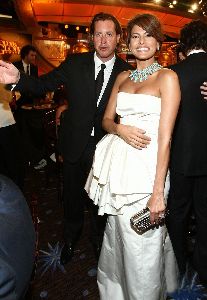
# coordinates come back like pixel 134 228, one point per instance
pixel 195 51
pixel 25 65
pixel 109 64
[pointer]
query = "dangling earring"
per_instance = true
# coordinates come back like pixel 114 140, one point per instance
pixel 158 47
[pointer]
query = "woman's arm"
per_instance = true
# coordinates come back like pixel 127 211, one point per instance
pixel 130 134
pixel 170 100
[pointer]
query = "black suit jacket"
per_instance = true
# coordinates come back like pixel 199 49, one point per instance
pixel 77 73
pixel 189 143
pixel 17 242
pixel 33 69
pixel 25 97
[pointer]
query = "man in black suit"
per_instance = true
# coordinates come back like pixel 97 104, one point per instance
pixel 188 165
pixel 27 65
pixel 17 242
pixel 81 128
pixel 30 122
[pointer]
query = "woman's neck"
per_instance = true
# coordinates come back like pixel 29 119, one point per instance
pixel 142 64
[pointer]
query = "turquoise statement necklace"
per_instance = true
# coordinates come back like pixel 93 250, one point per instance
pixel 142 75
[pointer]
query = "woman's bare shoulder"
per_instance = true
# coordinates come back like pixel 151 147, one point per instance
pixel 166 74
pixel 168 82
pixel 121 78
pixel 123 75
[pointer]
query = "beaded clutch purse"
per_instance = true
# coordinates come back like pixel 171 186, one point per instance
pixel 140 222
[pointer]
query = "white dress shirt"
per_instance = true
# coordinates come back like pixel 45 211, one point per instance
pixel 107 72
pixel 25 67
pixel 195 51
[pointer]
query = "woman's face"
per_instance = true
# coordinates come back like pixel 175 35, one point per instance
pixel 142 45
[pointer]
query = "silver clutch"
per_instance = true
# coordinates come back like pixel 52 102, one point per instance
pixel 140 222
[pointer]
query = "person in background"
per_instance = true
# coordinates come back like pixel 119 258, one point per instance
pixel 17 242
pixel 125 179
pixel 27 64
pixel 30 122
pixel 11 154
pixel 180 55
pixel 188 163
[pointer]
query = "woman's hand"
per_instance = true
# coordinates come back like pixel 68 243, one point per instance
pixel 59 111
pixel 156 205
pixel 204 90
pixel 133 136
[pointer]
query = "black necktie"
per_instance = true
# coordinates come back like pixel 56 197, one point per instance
pixel 27 70
pixel 100 81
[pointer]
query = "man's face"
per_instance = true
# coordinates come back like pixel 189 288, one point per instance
pixel 30 57
pixel 105 39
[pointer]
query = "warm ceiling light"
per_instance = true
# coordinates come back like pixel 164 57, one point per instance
pixel 157 1
pixel 194 6
pixel 174 2
pixel 87 29
pixel 77 28
pixel 171 5
pixel 191 11
pixel 66 26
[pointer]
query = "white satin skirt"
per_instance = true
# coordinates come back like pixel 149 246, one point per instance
pixel 132 266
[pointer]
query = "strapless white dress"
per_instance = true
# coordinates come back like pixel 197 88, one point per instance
pixel 131 266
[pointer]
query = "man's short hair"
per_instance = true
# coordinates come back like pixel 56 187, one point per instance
pixel 104 17
pixel 194 36
pixel 26 49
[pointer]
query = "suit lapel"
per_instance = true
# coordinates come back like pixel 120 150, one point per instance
pixel 21 67
pixel 89 73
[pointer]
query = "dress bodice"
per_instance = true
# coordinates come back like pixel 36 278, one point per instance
pixel 131 104
pixel 140 110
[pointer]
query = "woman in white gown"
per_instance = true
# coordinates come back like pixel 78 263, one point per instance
pixel 125 179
